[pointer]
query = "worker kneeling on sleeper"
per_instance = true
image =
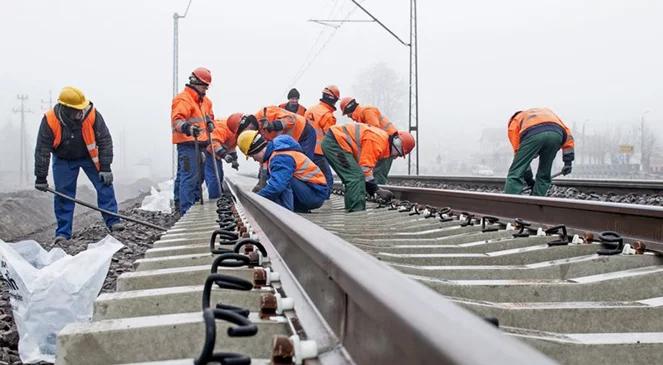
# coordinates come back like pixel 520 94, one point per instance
pixel 293 181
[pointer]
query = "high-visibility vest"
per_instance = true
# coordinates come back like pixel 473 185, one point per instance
pixel 300 109
pixel 367 144
pixel 529 118
pixel 372 116
pixel 223 135
pixel 293 124
pixel 187 109
pixel 320 117
pixel 87 130
pixel 305 169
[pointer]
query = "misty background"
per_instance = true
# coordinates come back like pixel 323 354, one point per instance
pixel 596 63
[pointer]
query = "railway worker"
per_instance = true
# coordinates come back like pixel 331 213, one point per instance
pixel 321 118
pixel 537 132
pixel 372 116
pixel 75 133
pixel 292 105
pixel 223 145
pixel 293 180
pixel 354 150
pixel 192 119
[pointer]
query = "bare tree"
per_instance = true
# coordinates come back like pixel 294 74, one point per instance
pixel 383 87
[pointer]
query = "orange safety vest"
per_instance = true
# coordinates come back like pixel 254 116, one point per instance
pixel 320 117
pixel 223 135
pixel 529 118
pixel 87 130
pixel 371 115
pixel 187 109
pixel 305 169
pixel 300 109
pixel 293 124
pixel 367 144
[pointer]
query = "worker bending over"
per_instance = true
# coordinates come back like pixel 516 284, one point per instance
pixel 77 136
pixel 292 105
pixel 354 149
pixel 293 180
pixel 223 144
pixel 537 132
pixel 192 120
pixel 368 114
pixel 321 118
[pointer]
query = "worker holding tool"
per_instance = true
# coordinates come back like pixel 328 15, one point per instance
pixel 293 180
pixel 75 133
pixel 537 132
pixel 292 105
pixel 368 114
pixel 224 143
pixel 191 121
pixel 321 118
pixel 354 149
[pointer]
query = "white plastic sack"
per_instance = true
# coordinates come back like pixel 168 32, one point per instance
pixel 49 290
pixel 159 200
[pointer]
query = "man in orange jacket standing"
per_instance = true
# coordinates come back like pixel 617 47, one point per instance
pixel 354 150
pixel 292 105
pixel 368 114
pixel 537 132
pixel 321 118
pixel 192 118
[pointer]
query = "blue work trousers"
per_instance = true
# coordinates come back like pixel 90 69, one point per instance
pixel 187 181
pixel 302 197
pixel 323 164
pixel 65 176
pixel 307 141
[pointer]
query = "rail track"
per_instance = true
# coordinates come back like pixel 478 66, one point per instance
pixel 588 186
pixel 401 283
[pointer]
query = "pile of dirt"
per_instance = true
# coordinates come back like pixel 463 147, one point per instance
pixel 136 238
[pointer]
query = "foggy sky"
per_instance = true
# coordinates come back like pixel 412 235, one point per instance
pixel 593 61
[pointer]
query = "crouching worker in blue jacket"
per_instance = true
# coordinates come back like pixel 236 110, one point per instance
pixel 294 181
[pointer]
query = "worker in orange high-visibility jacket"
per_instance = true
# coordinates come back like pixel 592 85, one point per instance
pixel 354 149
pixel 293 180
pixel 321 118
pixel 292 105
pixel 192 118
pixel 272 121
pixel 224 143
pixel 537 132
pixel 368 114
pixel 75 133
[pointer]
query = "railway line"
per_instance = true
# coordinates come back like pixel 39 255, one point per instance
pixel 431 277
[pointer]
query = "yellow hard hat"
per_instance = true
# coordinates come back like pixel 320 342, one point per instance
pixel 73 98
pixel 250 142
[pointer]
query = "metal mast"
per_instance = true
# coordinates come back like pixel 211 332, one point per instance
pixel 176 18
pixel 23 157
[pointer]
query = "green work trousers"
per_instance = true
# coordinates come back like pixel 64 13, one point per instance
pixel 381 171
pixel 349 171
pixel 544 145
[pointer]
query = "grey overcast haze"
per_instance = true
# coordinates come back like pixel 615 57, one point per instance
pixel 594 62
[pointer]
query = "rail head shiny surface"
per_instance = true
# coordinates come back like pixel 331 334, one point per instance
pixel 380 315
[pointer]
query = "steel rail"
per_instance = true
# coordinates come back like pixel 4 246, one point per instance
pixel 632 221
pixel 379 315
pixel 622 186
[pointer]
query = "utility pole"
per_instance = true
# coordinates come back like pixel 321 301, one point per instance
pixel 176 18
pixel 642 141
pixel 47 104
pixel 23 158
pixel 413 108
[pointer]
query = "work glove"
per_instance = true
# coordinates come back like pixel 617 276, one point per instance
pixel 106 177
pixel 235 165
pixel 230 157
pixel 274 126
pixel 371 187
pixel 41 183
pixel 210 124
pixel 568 167
pixel 191 130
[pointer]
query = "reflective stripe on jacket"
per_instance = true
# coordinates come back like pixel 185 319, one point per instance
pixel 293 124
pixel 300 109
pixel 305 169
pixel 368 145
pixel 87 131
pixel 526 119
pixel 188 108
pixel 321 117
pixel 371 115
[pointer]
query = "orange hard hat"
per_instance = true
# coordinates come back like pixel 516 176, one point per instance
pixel 348 105
pixel 332 90
pixel 201 74
pixel 405 142
pixel 233 121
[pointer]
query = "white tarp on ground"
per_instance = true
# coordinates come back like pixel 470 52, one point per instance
pixel 159 198
pixel 49 290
